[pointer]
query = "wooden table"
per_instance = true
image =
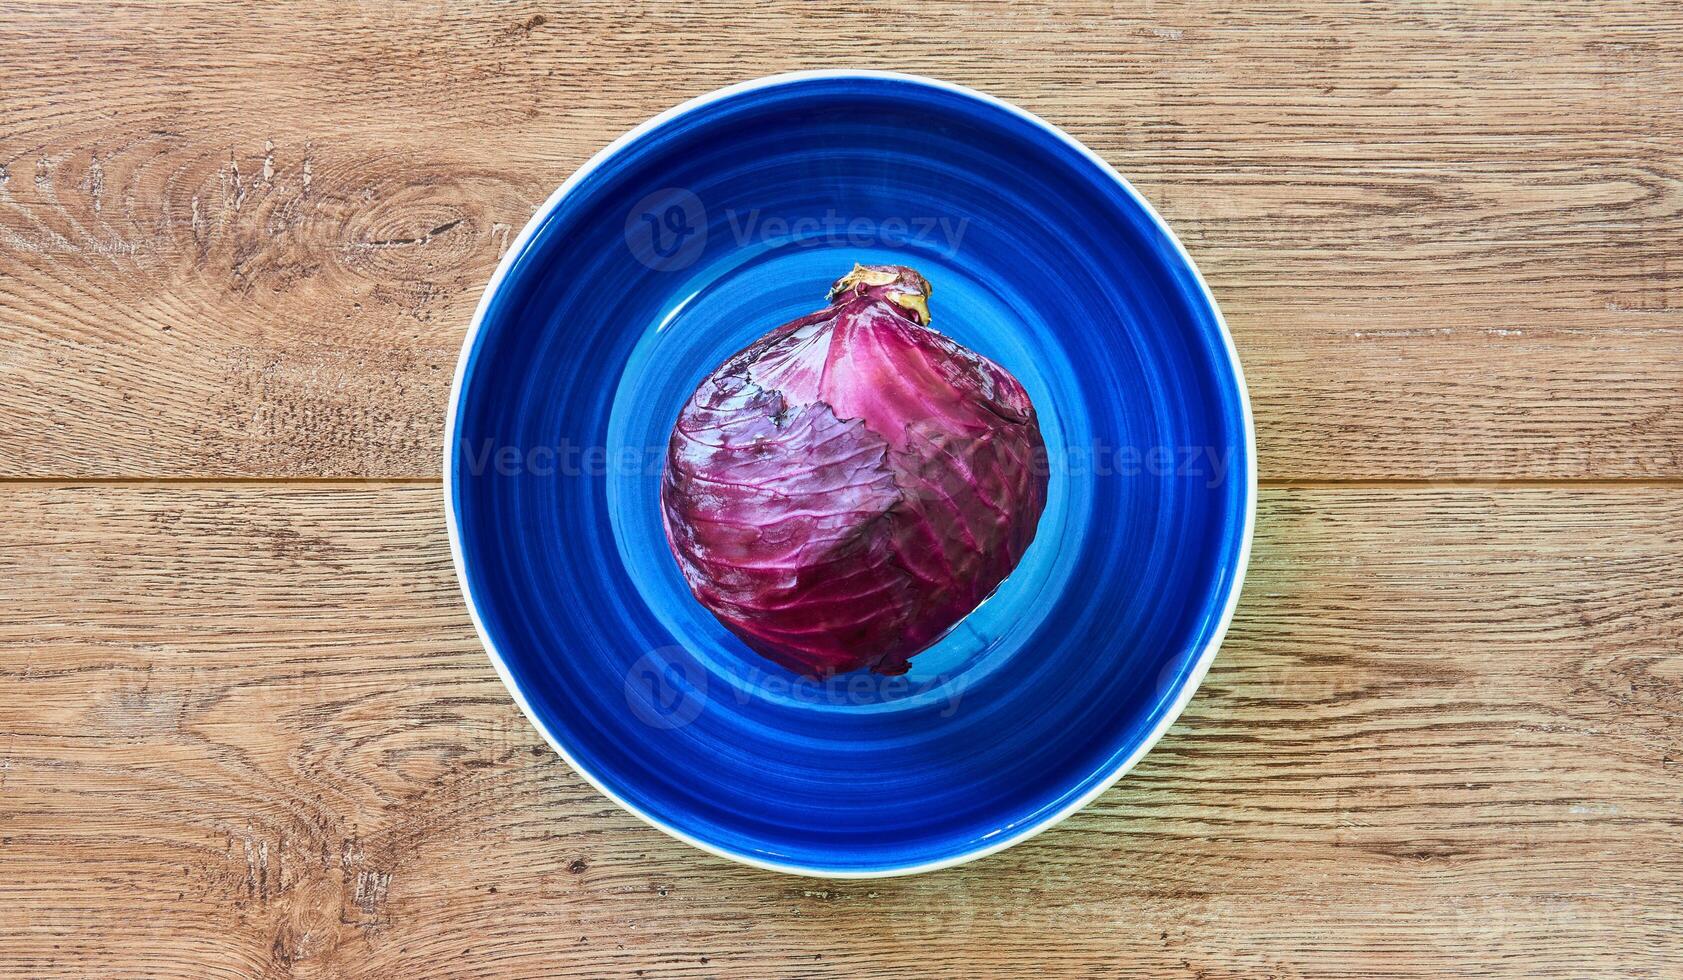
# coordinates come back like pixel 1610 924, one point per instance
pixel 245 727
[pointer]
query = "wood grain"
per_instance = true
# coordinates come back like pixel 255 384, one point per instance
pixel 244 239
pixel 247 731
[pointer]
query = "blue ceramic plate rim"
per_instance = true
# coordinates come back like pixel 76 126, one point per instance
pixel 511 257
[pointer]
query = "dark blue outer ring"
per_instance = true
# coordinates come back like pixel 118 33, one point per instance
pixel 477 581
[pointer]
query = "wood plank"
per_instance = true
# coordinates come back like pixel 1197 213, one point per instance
pixel 247 731
pixel 244 239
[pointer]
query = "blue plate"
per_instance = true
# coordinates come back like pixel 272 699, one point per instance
pixel 701 230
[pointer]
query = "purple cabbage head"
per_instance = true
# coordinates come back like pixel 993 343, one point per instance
pixel 852 484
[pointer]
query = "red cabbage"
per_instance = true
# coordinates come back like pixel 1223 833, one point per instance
pixel 848 487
